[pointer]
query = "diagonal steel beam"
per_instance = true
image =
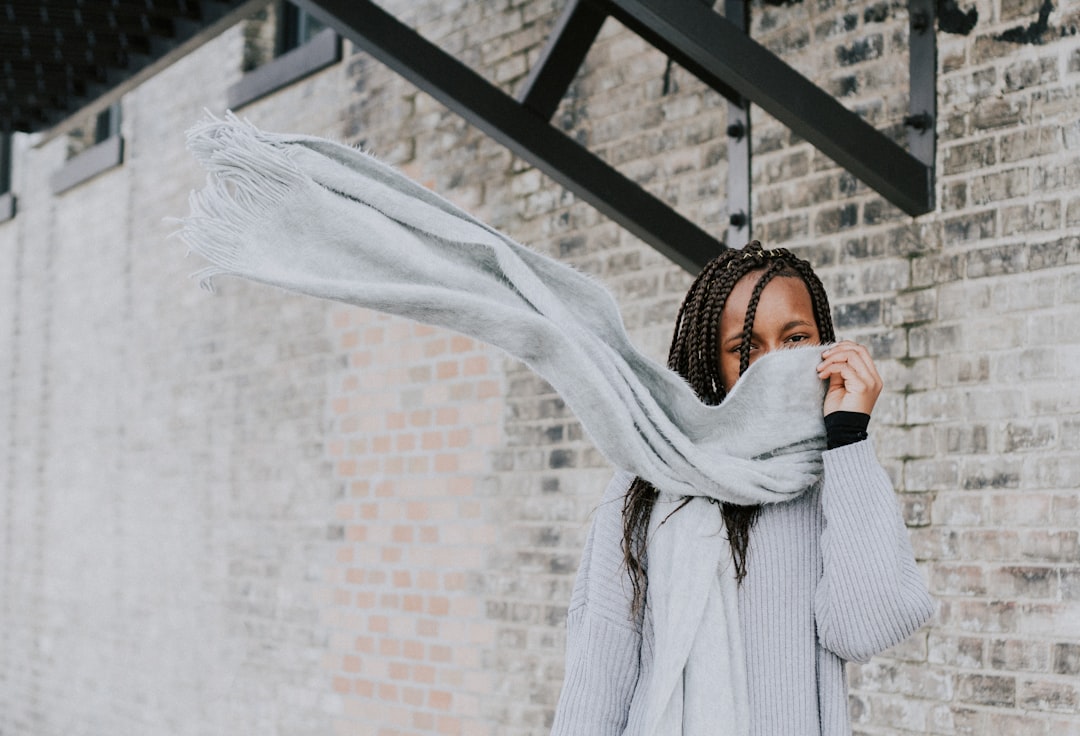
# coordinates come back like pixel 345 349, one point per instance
pixel 526 134
pixel 569 42
pixel 715 50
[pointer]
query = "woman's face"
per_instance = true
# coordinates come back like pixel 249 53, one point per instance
pixel 784 317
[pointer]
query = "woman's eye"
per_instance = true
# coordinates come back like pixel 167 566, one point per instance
pixel 796 338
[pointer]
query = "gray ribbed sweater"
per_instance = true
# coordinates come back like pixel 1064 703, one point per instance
pixel 831 577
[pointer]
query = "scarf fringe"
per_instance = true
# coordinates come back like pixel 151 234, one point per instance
pixel 248 179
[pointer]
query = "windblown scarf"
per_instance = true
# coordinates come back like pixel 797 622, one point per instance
pixel 319 218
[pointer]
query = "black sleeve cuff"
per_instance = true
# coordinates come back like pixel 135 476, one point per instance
pixel 845 428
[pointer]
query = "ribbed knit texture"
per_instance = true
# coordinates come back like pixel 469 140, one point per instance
pixel 831 577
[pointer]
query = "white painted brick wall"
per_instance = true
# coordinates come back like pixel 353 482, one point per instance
pixel 259 513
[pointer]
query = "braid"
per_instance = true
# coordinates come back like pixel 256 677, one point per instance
pixel 751 310
pixel 695 355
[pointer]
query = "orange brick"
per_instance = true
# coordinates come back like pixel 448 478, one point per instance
pixel 356 533
pixel 432 441
pixel 438 605
pixel 417 510
pixel 365 644
pixel 458 438
pixel 412 649
pixel 423 673
pixel 427 627
pixel 454 581
pixel 461 486
pixel 378 624
pixel 350 339
pixel 423 720
pixel 365 688
pixel 387 691
pixel 488 389
pixel 398 671
pixel 412 603
pixel 389 648
pixel 445 463
pixel 445 369
pixel 476 365
pixel 461 344
pixel 365 599
pixel 395 420
pixel 434 347
pixel 447 415
pixel 342 685
pixel 449 725
pixel 429 534
pixel 402 534
pixel 406 442
pixel 439 653
pixel 355 575
pixel 412 696
pixel 346 468
pixel 350 663
pixel 381 444
pixel 344 555
pixel 402 579
pixel 420 418
pixel 440 699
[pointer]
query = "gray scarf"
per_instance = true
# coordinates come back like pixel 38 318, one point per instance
pixel 319 218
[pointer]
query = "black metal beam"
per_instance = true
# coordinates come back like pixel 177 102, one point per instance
pixel 569 42
pixel 527 135
pixel 724 57
pixel 922 67
pixel 740 215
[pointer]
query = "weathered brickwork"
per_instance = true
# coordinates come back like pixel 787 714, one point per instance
pixel 259 513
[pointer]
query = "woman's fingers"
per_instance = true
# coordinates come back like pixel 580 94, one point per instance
pixel 854 381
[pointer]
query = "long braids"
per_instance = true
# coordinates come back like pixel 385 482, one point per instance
pixel 695 355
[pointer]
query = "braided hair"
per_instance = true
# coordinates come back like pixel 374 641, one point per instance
pixel 695 355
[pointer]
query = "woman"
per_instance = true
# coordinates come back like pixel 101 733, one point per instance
pixel 823 579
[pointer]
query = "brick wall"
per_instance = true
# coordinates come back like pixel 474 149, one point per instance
pixel 259 513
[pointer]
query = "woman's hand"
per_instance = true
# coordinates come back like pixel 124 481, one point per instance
pixel 854 383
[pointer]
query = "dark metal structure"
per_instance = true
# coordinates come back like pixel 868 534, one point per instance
pixel 715 49
pixel 58 57
pixel 61 57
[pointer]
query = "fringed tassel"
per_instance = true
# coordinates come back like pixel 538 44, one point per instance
pixel 250 174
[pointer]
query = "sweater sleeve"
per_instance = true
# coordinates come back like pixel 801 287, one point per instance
pixel 871 595
pixel 603 643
